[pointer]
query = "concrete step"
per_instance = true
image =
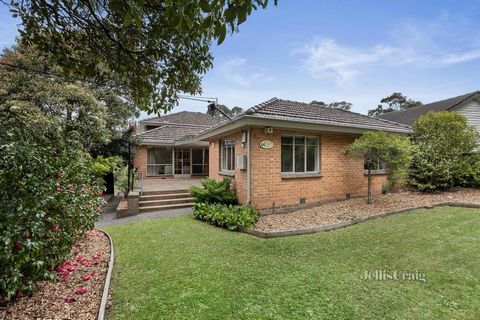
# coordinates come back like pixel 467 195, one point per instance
pixel 165 207
pixel 149 203
pixel 162 192
pixel 165 196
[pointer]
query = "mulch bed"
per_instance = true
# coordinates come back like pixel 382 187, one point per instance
pixel 79 290
pixel 356 208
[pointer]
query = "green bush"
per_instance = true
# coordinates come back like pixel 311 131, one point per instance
pixel 213 191
pixel 226 216
pixel 49 196
pixel 445 152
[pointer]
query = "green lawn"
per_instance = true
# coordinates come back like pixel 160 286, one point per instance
pixel 180 268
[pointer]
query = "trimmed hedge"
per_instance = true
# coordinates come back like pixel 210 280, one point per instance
pixel 226 216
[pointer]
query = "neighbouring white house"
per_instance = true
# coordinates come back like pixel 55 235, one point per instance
pixel 467 105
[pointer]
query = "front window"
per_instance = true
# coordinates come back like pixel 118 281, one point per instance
pixel 299 154
pixel 376 165
pixel 159 161
pixel 227 155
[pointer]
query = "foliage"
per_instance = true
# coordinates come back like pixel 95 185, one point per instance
pixel 234 111
pixel 316 276
pixel 226 216
pixel 395 102
pixel 445 153
pixel 155 49
pixel 48 194
pixel 102 165
pixel 342 105
pixel 395 151
pixel 213 191
pixel 121 180
pixel 95 114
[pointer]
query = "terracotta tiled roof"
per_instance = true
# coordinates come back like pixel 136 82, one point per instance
pixel 278 109
pixel 409 116
pixel 169 133
pixel 187 117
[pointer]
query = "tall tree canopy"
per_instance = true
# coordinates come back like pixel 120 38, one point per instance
pixel 342 105
pixel 394 102
pixel 155 48
pixel 96 114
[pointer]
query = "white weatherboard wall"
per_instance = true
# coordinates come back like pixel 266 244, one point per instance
pixel 471 110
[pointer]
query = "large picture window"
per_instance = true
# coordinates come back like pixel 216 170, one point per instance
pixel 159 161
pixel 299 154
pixel 377 165
pixel 227 155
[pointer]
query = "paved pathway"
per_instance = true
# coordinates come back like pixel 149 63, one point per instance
pixel 109 218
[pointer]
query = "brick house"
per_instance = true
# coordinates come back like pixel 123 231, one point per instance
pixel 166 148
pixel 283 154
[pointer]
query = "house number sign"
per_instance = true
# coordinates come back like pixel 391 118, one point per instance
pixel 266 144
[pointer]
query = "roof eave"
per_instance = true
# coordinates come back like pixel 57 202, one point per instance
pixel 292 124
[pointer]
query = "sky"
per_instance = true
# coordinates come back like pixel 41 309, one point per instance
pixel 336 50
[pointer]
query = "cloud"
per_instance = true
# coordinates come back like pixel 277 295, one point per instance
pixel 238 71
pixel 327 58
pixel 431 44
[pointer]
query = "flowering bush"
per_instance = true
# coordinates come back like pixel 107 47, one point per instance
pixel 48 199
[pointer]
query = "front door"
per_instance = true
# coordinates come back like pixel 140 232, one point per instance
pixel 182 161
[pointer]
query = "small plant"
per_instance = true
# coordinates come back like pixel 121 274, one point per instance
pixel 226 216
pixel 214 192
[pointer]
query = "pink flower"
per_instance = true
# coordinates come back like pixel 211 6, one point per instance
pixel 55 228
pixel 100 193
pixel 18 245
pixel 80 291
pixel 88 276
pixel 69 187
pixel 69 299
pixel 58 186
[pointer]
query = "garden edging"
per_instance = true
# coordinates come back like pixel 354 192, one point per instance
pixel 343 224
pixel 106 287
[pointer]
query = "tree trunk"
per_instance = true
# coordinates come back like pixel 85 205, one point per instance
pixel 369 195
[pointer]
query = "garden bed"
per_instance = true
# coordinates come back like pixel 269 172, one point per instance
pixel 78 292
pixel 350 210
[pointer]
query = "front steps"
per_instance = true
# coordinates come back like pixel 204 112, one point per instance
pixel 151 201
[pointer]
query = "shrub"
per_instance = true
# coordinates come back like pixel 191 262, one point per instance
pixel 49 197
pixel 214 192
pixel 393 150
pixel 445 147
pixel 226 216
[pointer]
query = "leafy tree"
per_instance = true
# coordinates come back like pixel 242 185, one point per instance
pixel 320 103
pixel 96 113
pixel 393 150
pixel 342 105
pixel 230 112
pixel 156 49
pixel 396 101
pixel 445 152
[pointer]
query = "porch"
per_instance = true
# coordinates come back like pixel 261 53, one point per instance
pixel 177 184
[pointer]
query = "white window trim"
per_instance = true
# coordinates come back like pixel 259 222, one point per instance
pixel 223 171
pixel 317 155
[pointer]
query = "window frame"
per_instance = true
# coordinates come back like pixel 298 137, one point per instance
pixel 155 165
pixel 231 149
pixel 377 169
pixel 317 154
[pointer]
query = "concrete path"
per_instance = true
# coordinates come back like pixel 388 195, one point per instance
pixel 109 218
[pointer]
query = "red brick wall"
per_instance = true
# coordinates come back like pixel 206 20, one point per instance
pixel 341 174
pixel 140 160
pixel 240 180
